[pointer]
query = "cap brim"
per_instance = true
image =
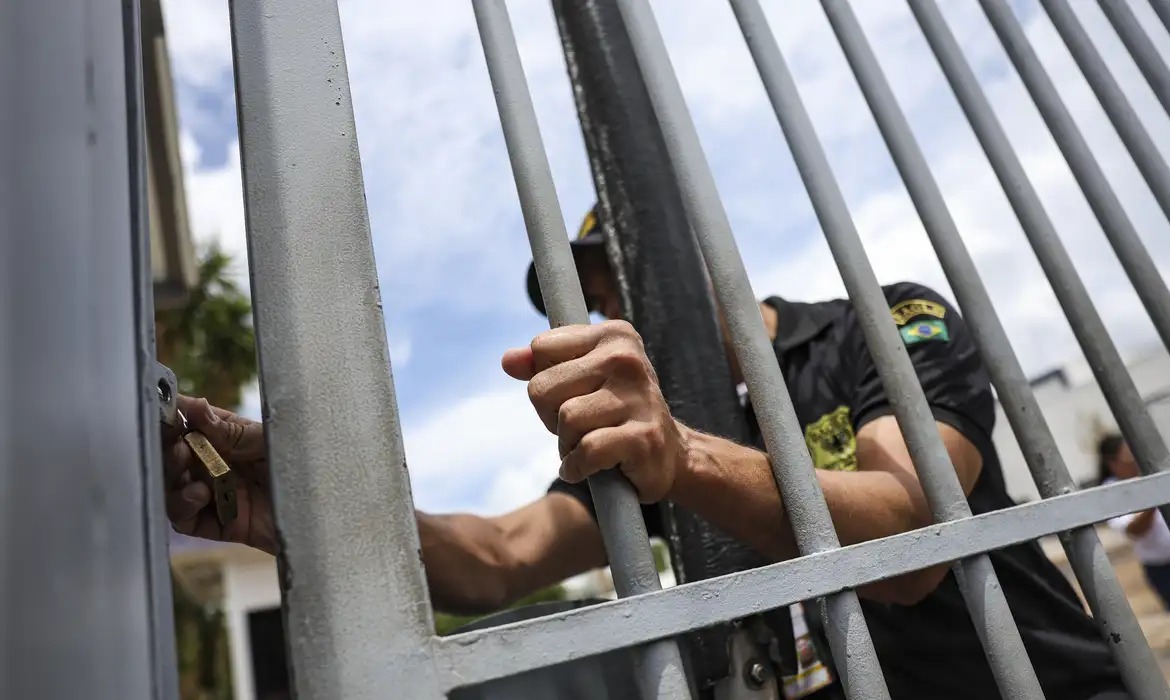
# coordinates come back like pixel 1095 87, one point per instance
pixel 592 240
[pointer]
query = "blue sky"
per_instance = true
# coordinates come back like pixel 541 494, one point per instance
pixel 448 235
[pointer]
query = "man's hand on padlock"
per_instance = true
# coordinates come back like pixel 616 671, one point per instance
pixel 240 442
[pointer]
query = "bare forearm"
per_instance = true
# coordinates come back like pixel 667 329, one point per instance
pixel 1141 524
pixel 733 486
pixel 476 564
pixel 466 564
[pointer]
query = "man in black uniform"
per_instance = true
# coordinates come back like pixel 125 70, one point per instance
pixel 594 388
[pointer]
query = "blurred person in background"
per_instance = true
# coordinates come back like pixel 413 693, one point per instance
pixel 1145 529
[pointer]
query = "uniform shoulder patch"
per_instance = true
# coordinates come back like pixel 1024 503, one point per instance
pixel 831 441
pixel 904 311
pixel 920 331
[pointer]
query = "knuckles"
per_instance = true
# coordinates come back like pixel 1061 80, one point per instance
pixel 651 437
pixel 624 359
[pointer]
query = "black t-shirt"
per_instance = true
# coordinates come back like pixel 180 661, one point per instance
pixel 930 650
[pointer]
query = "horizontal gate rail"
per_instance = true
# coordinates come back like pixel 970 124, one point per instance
pixel 1141 48
pixel 475 657
pixel 619 514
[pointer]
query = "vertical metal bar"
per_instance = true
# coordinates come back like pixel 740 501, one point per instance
pixel 1162 9
pixel 792 467
pixel 656 261
pixel 977 579
pixel 158 528
pixel 75 554
pixel 1090 564
pixel 618 513
pixel 357 613
pixel 1109 369
pixel 1141 47
pixel 1118 227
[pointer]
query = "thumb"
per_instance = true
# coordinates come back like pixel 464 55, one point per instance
pixel 519 363
pixel 234 437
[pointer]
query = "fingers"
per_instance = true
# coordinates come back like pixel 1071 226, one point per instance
pixel 621 366
pixel 185 504
pixel 550 389
pixel 518 364
pixel 628 445
pixel 234 437
pixel 582 414
pixel 176 461
pixel 638 448
pixel 564 344
pixel 559 345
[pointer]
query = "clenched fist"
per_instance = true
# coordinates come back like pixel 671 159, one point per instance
pixel 594 388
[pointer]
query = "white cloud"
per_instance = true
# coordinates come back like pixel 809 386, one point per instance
pixel 215 204
pixel 491 443
pixel 446 220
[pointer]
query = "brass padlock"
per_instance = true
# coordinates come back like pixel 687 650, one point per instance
pixel 215 472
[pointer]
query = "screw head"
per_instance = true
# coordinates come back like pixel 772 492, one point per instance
pixel 756 674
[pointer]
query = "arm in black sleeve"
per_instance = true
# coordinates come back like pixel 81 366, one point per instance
pixel 945 358
pixel 580 491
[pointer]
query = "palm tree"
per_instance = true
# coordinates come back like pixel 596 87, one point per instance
pixel 208 341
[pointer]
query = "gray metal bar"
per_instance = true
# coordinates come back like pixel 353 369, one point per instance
pixel 75 554
pixel 1141 47
pixel 357 614
pixel 792 467
pixel 977 580
pixel 1086 555
pixel 157 525
pixel 1118 227
pixel 618 512
pixel 1162 9
pixel 1104 359
pixel 475 657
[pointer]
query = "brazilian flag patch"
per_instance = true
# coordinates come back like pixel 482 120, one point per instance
pixel 920 331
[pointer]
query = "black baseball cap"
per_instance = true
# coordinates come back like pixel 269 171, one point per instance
pixel 588 237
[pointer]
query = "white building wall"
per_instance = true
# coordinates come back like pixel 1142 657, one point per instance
pixel 247 586
pixel 1073 413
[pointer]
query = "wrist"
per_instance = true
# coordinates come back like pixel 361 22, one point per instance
pixel 694 468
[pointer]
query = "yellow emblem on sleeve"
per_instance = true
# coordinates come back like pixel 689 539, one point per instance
pixel 831 441
pixel 587 225
pixel 903 311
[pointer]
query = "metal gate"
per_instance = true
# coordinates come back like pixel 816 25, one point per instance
pixel 86 605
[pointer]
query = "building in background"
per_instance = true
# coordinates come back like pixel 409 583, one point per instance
pixel 1076 412
pixel 173 259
